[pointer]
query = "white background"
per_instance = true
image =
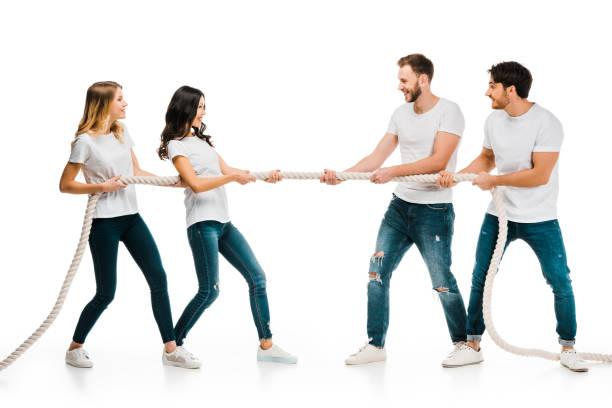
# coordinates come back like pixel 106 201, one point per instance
pixel 295 86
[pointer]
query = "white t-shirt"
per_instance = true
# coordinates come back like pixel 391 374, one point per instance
pixel 513 139
pixel 104 157
pixel 416 134
pixel 207 205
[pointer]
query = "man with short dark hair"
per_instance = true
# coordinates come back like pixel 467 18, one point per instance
pixel 523 141
pixel 427 129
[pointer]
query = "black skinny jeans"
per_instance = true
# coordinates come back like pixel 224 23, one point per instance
pixel 104 244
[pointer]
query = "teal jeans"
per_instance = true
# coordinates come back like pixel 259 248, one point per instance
pixel 546 241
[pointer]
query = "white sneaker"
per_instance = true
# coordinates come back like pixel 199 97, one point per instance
pixel 181 358
pixel 275 354
pixel 462 355
pixel 78 358
pixel 367 354
pixel 571 360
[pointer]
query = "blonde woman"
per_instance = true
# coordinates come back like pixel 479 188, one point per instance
pixel 103 151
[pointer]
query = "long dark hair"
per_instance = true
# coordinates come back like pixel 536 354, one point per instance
pixel 181 112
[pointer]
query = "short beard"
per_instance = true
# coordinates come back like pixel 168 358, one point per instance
pixel 415 93
pixel 502 102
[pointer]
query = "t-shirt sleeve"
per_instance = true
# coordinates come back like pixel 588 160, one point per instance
pixel 392 128
pixel 176 148
pixel 452 120
pixel 80 151
pixel 550 136
pixel 487 137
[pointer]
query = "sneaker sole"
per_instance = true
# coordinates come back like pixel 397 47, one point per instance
pixel 576 370
pixel 73 364
pixel 281 360
pixel 180 365
pixel 460 365
pixel 364 362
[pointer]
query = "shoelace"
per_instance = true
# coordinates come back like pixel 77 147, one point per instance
pixel 281 351
pixel 360 349
pixel 190 355
pixel 573 357
pixel 458 348
pixel 274 348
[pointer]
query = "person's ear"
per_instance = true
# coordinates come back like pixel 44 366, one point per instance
pixel 511 90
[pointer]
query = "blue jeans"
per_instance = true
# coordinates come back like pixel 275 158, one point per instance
pixel 430 227
pixel 207 239
pixel 546 241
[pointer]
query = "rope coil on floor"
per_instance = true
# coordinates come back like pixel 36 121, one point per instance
pixel 421 178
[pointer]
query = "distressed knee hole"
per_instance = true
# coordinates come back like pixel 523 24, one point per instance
pixel 375 277
pixel 377 257
pixel 437 292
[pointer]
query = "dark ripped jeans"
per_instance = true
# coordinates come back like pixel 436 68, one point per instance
pixel 430 228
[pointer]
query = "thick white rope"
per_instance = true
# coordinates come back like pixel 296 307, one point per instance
pixel 421 178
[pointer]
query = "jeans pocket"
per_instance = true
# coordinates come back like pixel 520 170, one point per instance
pixel 438 206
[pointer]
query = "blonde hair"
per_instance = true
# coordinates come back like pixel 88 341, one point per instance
pixel 97 109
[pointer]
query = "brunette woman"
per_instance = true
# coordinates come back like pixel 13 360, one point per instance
pixel 209 228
